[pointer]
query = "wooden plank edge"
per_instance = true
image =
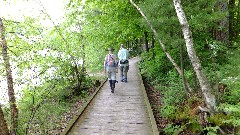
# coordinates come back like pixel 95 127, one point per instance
pixel 81 110
pixel 149 108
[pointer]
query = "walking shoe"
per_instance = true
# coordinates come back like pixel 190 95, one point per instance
pixel 112 90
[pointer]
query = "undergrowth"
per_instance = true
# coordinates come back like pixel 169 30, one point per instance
pixel 48 109
pixel 181 111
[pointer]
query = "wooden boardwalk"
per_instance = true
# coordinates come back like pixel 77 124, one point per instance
pixel 125 112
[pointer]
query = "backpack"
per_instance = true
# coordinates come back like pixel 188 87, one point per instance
pixel 111 61
pixel 123 61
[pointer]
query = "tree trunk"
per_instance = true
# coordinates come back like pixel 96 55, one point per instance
pixel 12 100
pixel 238 19
pixel 182 67
pixel 222 33
pixel 163 46
pixel 204 84
pixel 153 45
pixel 153 41
pixel 137 46
pixel 231 20
pixel 83 70
pixel 3 124
pixel 128 44
pixel 146 41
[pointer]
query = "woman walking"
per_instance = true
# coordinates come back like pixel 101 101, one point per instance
pixel 110 66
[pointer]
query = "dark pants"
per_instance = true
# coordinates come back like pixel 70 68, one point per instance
pixel 112 77
pixel 123 72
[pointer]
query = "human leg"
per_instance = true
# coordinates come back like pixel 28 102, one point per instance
pixel 125 70
pixel 113 85
pixel 110 83
pixel 121 73
pixel 109 77
pixel 113 79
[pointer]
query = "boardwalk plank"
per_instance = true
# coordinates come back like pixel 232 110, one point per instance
pixel 121 113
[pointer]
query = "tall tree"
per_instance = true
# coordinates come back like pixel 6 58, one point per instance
pixel 163 46
pixel 146 41
pixel 238 18
pixel 204 84
pixel 222 33
pixel 231 6
pixel 12 99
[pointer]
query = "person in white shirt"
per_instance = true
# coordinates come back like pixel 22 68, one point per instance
pixel 123 56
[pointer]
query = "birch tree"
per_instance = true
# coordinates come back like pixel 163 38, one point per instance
pixel 163 46
pixel 204 84
pixel 12 99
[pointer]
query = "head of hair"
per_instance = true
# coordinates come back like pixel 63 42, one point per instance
pixel 122 46
pixel 110 49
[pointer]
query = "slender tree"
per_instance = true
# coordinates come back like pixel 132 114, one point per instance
pixel 222 33
pixel 231 6
pixel 238 19
pixel 204 84
pixel 146 41
pixel 12 99
pixel 162 45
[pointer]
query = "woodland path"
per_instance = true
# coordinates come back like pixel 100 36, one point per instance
pixel 124 112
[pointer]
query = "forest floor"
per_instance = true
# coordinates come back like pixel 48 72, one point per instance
pixel 66 117
pixel 154 98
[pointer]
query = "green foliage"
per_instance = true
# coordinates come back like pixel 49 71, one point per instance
pixel 113 22
pixel 232 96
pixel 173 95
pixel 153 67
pixel 33 118
pixel 211 130
pixel 168 111
pixel 173 91
pixel 172 129
pixel 102 25
pixel 49 101
pixel 47 68
pixel 234 114
pixel 201 16
pixel 194 126
pixel 229 75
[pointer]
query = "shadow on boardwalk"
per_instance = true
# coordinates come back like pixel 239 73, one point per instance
pixel 122 112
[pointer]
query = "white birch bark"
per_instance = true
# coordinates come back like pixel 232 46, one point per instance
pixel 204 84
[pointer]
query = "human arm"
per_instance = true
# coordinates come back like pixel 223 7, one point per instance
pixel 119 54
pixel 116 62
pixel 104 64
